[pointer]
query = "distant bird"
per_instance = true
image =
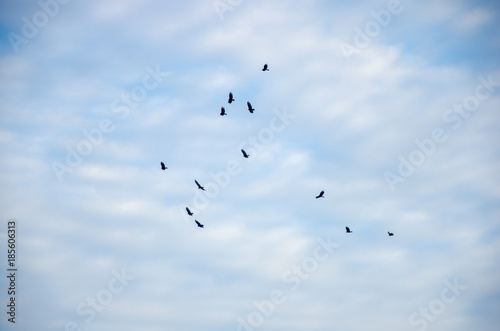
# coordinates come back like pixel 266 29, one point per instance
pixel 163 166
pixel 265 68
pixel 245 155
pixel 199 186
pixel 231 99
pixel 222 111
pixel 190 213
pixel 250 109
pixel 390 234
pixel 347 230
pixel 321 195
pixel 199 224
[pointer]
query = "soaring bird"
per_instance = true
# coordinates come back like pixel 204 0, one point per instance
pixel 347 230
pixel 265 68
pixel 231 99
pixel 163 166
pixel 390 234
pixel 199 224
pixel 222 111
pixel 245 155
pixel 199 186
pixel 190 213
pixel 250 109
pixel 321 195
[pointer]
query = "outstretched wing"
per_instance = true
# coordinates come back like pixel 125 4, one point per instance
pixel 347 229
pixel 249 105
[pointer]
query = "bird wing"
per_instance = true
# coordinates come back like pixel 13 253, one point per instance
pixel 197 183
pixel 347 229
pixel 249 105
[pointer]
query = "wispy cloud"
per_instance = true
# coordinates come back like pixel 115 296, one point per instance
pixel 85 86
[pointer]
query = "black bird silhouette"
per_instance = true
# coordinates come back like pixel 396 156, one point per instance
pixel 199 186
pixel 222 111
pixel 190 213
pixel 347 230
pixel 390 234
pixel 245 155
pixel 199 224
pixel 231 99
pixel 321 195
pixel 163 166
pixel 250 109
pixel 265 68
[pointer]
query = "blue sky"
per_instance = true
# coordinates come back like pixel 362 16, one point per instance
pixel 401 134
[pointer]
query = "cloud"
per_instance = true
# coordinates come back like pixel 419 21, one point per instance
pixel 352 122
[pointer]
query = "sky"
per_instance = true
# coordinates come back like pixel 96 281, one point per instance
pixel 389 107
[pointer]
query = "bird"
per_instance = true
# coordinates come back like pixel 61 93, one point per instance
pixel 245 155
pixel 222 111
pixel 231 99
pixel 199 186
pixel 265 68
pixel 250 109
pixel 390 234
pixel 163 166
pixel 199 224
pixel 321 195
pixel 347 230
pixel 190 213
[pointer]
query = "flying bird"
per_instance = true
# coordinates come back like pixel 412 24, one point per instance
pixel 231 99
pixel 245 155
pixel 265 68
pixel 190 213
pixel 199 224
pixel 347 230
pixel 222 111
pixel 163 166
pixel 250 109
pixel 321 195
pixel 199 186
pixel 390 234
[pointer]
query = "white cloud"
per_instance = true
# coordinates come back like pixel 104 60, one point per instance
pixel 352 122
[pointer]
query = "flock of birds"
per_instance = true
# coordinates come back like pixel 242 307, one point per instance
pixel 347 229
pixel 246 155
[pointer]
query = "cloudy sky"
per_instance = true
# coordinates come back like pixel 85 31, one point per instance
pixel 390 107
